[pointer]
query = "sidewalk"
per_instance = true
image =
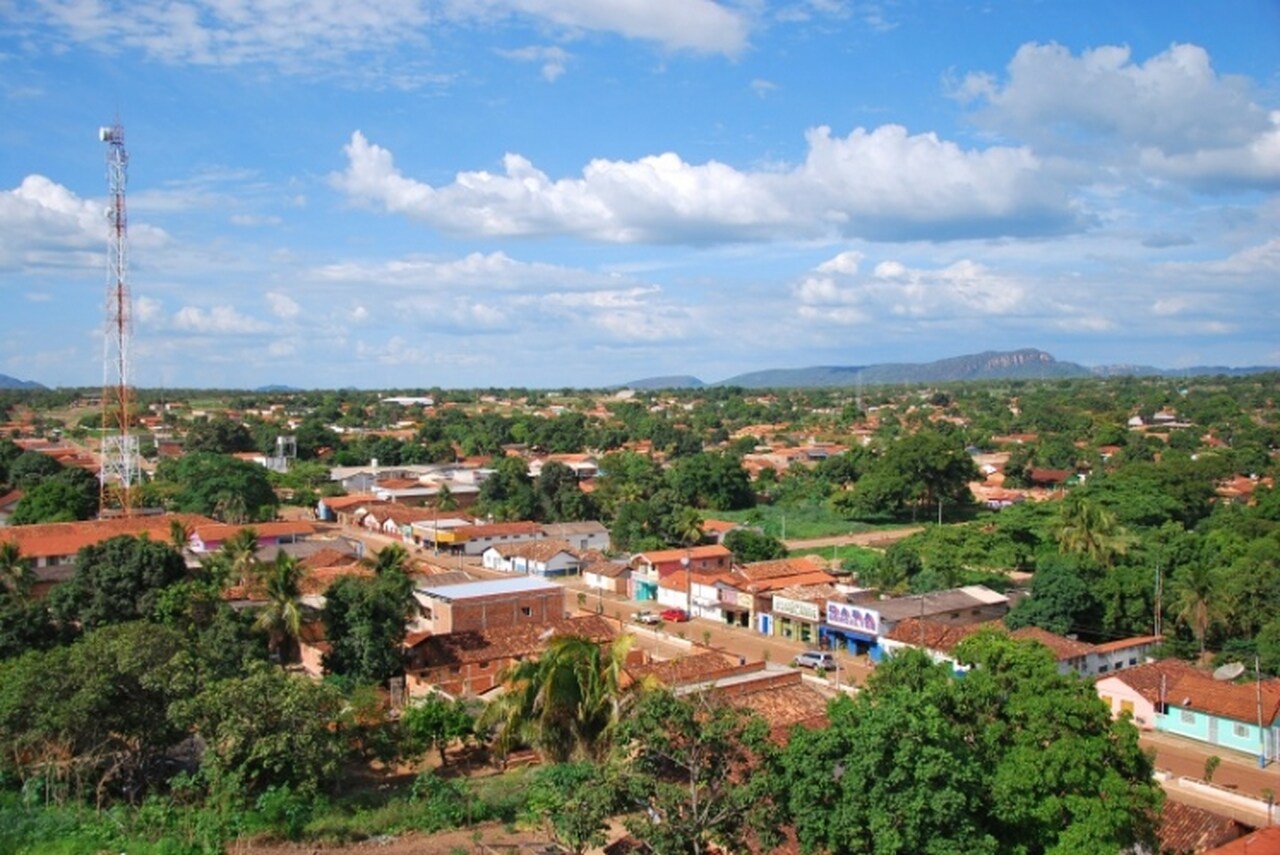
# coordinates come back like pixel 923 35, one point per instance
pixel 1238 772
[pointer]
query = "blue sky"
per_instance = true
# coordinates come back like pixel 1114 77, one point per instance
pixel 546 193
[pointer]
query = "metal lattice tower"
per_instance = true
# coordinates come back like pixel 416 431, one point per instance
pixel 119 448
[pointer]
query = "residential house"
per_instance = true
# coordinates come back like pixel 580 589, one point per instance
pixel 938 640
pixel 533 558
pixel 8 502
pixel 342 509
pixel 209 537
pixel 51 547
pixel 487 605
pixel 612 577
pixel 427 532
pixel 1091 660
pixel 476 538
pixel 1189 830
pixel 1239 716
pixel 471 663
pixel 1141 690
pixel 649 568
pixel 581 536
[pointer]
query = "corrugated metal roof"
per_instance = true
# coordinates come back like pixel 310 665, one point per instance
pixel 489 587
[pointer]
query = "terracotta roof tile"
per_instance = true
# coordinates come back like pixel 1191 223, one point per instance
pixel 759 571
pixel 1188 829
pixel 1062 647
pixel 936 635
pixel 457 648
pixel 1236 701
pixel 55 539
pixel 535 550
pixel 684 670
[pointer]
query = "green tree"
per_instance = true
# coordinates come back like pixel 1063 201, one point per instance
pixel 918 471
pixel 558 495
pixel 364 622
pixel 31 468
pixel 116 580
pixel 686 770
pixel 220 486
pixel 239 554
pixel 281 616
pixel 69 495
pixel 91 717
pixel 436 723
pixel 570 801
pixel 1014 758
pixel 267 728
pixel 218 435
pixel 748 545
pixel 392 558
pixel 1062 599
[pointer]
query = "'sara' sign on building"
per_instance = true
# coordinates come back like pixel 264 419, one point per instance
pixel 856 618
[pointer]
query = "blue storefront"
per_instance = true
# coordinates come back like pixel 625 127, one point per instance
pixel 853 628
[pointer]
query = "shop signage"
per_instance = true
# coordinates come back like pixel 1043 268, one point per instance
pixel 856 618
pixel 795 608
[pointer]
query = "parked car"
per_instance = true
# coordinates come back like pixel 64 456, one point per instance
pixel 645 617
pixel 675 615
pixel 815 659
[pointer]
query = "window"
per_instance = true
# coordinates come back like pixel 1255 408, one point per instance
pixel 1102 669
pixel 484 666
pixel 1188 717
pixel 526 610
pixel 1126 706
pixel 1133 661
pixel 1241 731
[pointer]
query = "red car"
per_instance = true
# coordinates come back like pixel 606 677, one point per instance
pixel 675 615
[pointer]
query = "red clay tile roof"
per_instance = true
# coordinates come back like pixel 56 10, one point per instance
pixel 1063 648
pixel 327 557
pixel 684 670
pixel 1188 829
pixel 317 581
pixel 783 702
pixel 343 503
pixel 457 648
pixel 759 571
pixel 1264 841
pixel 535 550
pixel 498 529
pixel 1236 701
pixel 53 539
pixel 10 498
pixel 217 532
pixel 697 552
pixel 935 635
pixel 1148 678
pixel 817 577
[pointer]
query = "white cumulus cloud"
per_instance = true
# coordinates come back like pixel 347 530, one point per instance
pixel 883 184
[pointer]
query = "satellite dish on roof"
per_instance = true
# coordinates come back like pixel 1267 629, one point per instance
pixel 1229 671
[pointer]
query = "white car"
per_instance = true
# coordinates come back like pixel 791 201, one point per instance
pixel 815 659
pixel 646 617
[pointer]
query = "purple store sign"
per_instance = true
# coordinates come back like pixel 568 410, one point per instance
pixel 855 618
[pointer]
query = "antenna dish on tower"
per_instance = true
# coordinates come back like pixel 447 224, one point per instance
pixel 1229 671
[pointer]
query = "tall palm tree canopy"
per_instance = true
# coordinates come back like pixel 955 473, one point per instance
pixel 16 575
pixel 281 617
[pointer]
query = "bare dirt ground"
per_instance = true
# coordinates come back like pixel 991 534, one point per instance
pixel 870 539
pixel 486 838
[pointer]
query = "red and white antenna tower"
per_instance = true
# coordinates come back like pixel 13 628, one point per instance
pixel 119 446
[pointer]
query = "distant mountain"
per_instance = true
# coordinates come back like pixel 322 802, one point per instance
pixel 1025 364
pixel 7 382
pixel 989 365
pixel 277 388
pixel 675 381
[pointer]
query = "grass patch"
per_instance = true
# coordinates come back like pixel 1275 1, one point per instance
pixel 850 559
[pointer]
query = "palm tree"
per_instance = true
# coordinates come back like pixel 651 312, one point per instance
pixel 16 575
pixel 1086 528
pixel 281 617
pixel 180 532
pixel 391 558
pixel 688 527
pixel 241 550
pixel 567 703
pixel 445 500
pixel 1195 590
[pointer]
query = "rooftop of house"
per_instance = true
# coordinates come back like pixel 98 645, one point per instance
pixel 938 602
pixel 535 550
pixel 487 588
pixel 1152 678
pixel 512 642
pixel 935 635
pixel 567 529
pixel 694 553
pixel 68 538
pixel 760 571
pixel 1061 646
pixel 1236 701
pixel 683 670
pixel 1186 828
pixel 216 532
pixel 504 529
pixel 346 503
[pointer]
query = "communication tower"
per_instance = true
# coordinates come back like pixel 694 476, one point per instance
pixel 119 470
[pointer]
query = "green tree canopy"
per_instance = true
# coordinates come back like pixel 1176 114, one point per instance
pixel 364 623
pixel 117 580
pixel 218 485
pixel 1013 758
